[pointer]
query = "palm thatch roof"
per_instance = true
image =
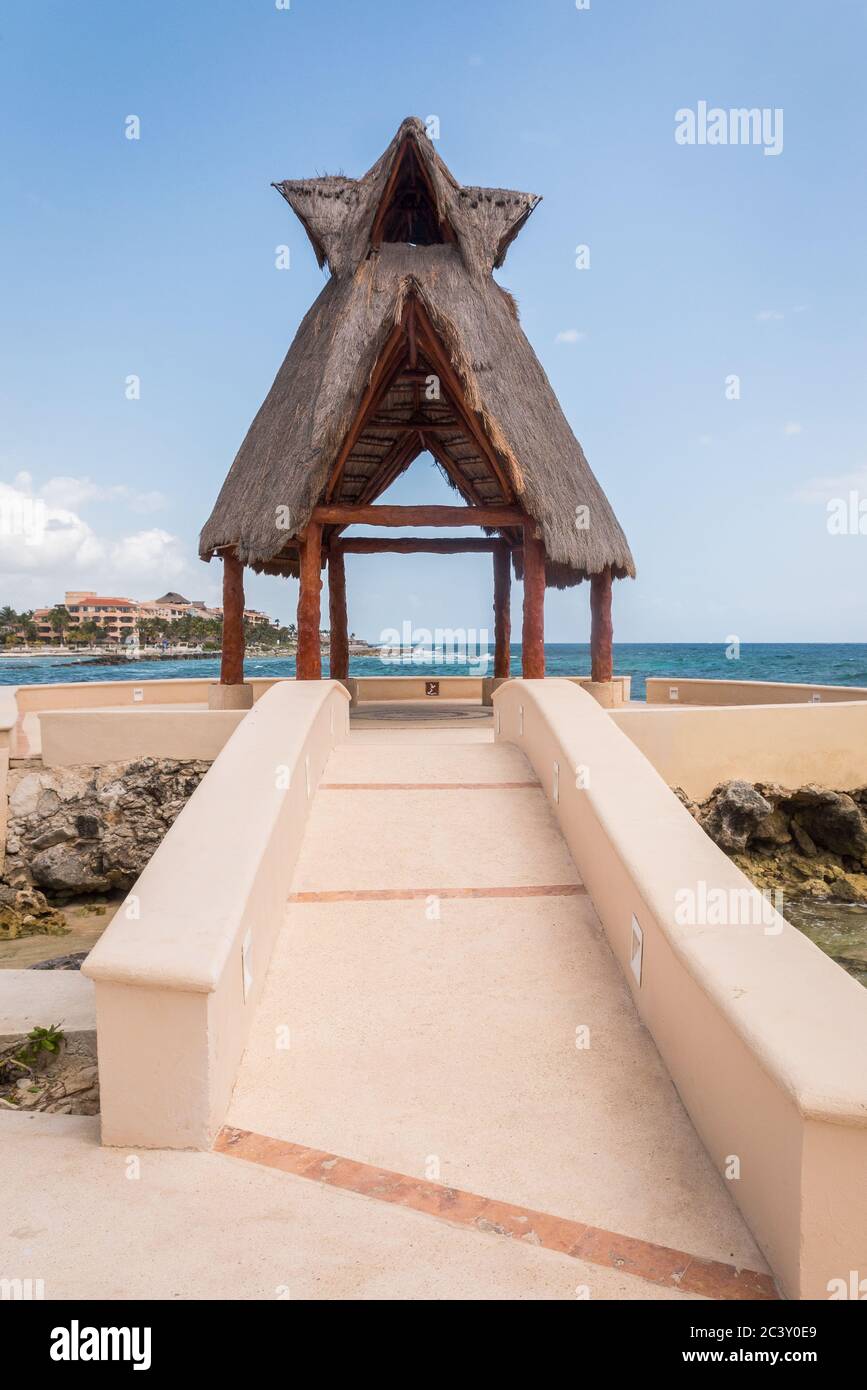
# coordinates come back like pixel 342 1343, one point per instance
pixel 412 346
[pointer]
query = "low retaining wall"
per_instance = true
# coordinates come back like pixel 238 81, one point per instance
pixel 672 690
pixel 81 695
pixel 384 688
pixel 97 722
pixel 763 1036
pixel 95 737
pixel 180 969
pixel 795 745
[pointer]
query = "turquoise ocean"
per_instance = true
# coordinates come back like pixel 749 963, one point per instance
pixel 817 663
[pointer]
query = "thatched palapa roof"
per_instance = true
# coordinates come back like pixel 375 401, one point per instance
pixel 411 297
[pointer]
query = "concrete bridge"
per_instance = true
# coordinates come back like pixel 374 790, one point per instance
pixel 414 993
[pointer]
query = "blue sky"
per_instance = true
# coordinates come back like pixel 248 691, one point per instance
pixel 156 258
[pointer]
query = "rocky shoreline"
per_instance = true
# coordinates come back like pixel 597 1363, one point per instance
pixel 808 844
pixel 75 832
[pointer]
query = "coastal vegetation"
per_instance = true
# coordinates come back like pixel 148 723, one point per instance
pixel 47 1071
pixel 19 628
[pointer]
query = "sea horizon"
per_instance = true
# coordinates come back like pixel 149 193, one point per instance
pixel 818 663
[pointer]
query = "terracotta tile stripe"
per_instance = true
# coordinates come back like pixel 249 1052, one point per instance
pixel 658 1264
pixel 375 895
pixel 427 786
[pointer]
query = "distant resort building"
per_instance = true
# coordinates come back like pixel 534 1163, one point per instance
pixel 119 618
pixel 116 616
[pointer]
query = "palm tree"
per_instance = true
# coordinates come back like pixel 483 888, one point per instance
pixel 10 623
pixel 60 620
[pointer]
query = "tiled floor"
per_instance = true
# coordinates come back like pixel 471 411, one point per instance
pixel 444 1026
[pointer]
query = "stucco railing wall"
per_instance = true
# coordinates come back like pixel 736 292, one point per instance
pixel 793 744
pixel 764 1036
pixel 81 695
pixel 411 687
pixel 99 736
pixel 180 969
pixel 191 690
pixel 672 690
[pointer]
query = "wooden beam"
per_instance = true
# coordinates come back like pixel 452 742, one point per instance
pixel 399 457
pixel 336 514
pixel 432 347
pixel 232 656
pixel 376 389
pixel 601 627
pixel 338 651
pixel 408 545
pixel 410 332
pixel 308 659
pixel 502 609
pixel 533 635
pixel 389 367
pixel 420 374
pixel 377 425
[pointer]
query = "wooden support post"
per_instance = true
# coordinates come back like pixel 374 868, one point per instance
pixel 533 635
pixel 601 630
pixel 232 656
pixel 338 662
pixel 308 660
pixel 502 610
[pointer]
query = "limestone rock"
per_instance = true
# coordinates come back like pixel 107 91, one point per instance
pixel 810 842
pixel 83 830
pixel 732 814
pixel 833 820
pixel 73 961
pixel 815 888
pixel 802 840
pixel 26 912
pixel 773 830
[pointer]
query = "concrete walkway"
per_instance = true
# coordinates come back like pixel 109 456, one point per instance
pixel 447 1092
pixel 443 1012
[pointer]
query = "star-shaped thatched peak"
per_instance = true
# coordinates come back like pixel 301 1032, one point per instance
pixel 409 196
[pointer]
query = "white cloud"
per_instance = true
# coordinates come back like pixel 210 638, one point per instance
pixel 823 489
pixel 46 546
pixel 792 427
pixel 570 335
pixel 77 492
pixel 148 555
pixel 769 315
